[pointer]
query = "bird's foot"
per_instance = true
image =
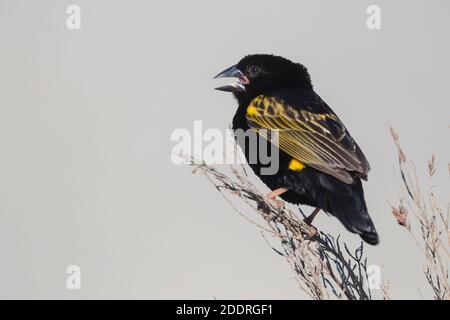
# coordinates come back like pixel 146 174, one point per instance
pixel 310 232
pixel 268 205
pixel 270 202
pixel 271 207
pixel 278 204
pixel 271 198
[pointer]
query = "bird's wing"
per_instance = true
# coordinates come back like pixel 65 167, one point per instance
pixel 310 132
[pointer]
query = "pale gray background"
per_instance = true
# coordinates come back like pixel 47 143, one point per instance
pixel 86 118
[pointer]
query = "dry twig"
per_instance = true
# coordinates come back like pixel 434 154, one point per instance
pixel 324 266
pixel 429 220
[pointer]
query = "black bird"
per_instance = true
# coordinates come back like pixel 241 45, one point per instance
pixel 320 164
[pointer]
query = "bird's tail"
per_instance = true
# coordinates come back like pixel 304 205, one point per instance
pixel 352 213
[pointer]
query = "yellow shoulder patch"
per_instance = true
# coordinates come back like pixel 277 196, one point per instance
pixel 251 110
pixel 296 165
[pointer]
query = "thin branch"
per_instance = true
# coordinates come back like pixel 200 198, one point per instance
pixel 323 270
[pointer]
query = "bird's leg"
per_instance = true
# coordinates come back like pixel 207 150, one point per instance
pixel 275 193
pixel 308 220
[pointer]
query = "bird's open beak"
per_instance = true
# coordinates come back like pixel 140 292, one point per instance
pixel 233 72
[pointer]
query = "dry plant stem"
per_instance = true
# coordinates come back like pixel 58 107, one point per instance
pixel 324 266
pixel 428 221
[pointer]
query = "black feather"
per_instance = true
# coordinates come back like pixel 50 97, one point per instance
pixel 340 193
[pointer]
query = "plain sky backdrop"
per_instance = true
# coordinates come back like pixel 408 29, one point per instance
pixel 86 117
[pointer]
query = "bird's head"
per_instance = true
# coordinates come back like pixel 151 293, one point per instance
pixel 262 73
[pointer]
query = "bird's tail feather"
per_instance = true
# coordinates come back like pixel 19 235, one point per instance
pixel 352 213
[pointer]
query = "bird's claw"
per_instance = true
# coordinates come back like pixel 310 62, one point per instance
pixel 310 232
pixel 278 204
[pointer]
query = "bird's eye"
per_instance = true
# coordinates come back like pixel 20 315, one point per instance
pixel 253 70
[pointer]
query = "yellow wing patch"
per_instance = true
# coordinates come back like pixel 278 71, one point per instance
pixel 296 165
pixel 252 110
